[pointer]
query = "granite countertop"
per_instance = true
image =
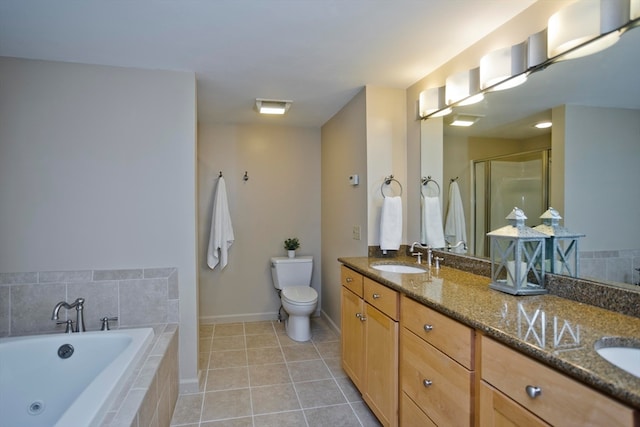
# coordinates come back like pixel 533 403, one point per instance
pixel 559 332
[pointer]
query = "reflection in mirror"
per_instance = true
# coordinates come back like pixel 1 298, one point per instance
pixel 587 164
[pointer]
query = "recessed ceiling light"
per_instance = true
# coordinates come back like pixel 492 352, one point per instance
pixel 464 120
pixel 543 125
pixel 272 106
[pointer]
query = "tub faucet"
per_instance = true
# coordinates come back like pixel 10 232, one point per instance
pixel 78 304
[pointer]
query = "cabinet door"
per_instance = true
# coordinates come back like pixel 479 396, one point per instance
pixel 353 337
pixel 381 365
pixel 497 410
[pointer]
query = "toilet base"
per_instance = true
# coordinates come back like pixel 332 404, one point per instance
pixel 298 328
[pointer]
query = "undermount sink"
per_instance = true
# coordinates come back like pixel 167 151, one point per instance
pixel 625 354
pixel 399 268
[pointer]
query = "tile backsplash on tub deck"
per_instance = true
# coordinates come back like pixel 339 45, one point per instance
pixel 138 297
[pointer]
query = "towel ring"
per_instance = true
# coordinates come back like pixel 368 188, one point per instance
pixel 387 181
pixel 426 181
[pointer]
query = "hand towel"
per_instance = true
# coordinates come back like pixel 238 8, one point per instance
pixel 391 223
pixel 455 228
pixel 432 231
pixel 221 237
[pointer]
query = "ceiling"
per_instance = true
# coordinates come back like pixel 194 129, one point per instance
pixel 318 53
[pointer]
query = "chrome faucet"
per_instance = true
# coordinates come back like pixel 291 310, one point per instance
pixel 78 304
pixel 461 242
pixel 419 245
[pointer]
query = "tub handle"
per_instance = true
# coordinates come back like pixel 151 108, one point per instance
pixel 105 323
pixel 69 328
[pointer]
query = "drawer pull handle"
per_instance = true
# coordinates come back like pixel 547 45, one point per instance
pixel 533 391
pixel 376 296
pixel 427 383
pixel 349 280
pixel 428 328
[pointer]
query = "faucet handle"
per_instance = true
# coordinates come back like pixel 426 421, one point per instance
pixel 105 323
pixel 437 260
pixel 419 255
pixel 69 323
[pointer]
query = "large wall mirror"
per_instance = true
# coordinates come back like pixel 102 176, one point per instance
pixel 587 165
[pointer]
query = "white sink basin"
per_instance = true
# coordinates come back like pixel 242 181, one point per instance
pixel 399 268
pixel 627 358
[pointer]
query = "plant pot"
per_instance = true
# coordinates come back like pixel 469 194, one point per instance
pixel 292 254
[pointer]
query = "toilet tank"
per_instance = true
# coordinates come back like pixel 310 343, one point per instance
pixel 288 272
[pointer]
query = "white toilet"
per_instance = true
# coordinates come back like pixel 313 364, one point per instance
pixel 292 277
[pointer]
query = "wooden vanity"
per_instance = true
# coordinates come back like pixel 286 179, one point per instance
pixel 442 349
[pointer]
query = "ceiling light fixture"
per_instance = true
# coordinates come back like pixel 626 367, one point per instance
pixel 543 125
pixel 463 88
pixel 272 106
pixel 464 120
pixel 432 103
pixel 583 21
pixel 504 68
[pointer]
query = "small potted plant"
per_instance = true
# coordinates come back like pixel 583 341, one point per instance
pixel 291 245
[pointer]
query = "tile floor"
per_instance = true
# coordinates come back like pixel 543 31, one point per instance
pixel 256 376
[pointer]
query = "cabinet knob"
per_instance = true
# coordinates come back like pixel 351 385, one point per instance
pixel 358 315
pixel 428 328
pixel 533 391
pixel 376 296
pixel 362 318
pixel 427 383
pixel 349 280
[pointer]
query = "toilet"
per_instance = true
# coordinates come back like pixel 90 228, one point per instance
pixel 292 278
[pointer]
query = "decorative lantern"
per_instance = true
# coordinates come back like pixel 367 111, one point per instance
pixel 516 251
pixel 561 250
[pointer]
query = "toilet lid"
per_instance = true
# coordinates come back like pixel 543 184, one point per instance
pixel 300 294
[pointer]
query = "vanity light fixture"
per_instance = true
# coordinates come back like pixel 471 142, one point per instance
pixel 504 68
pixel 635 9
pixel 583 21
pixel 543 125
pixel 432 103
pixel 272 106
pixel 463 88
pixel 464 120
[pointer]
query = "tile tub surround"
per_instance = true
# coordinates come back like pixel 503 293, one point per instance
pixel 556 331
pixel 138 297
pixel 256 376
pixel 151 391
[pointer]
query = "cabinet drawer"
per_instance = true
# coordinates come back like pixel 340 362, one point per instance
pixel 351 280
pixel 496 409
pixel 435 382
pixel 447 335
pixel 384 299
pixel 411 415
pixel 562 400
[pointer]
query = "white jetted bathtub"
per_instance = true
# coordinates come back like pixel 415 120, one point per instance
pixel 65 380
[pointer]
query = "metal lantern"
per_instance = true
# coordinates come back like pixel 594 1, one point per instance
pixel 517 255
pixel 562 245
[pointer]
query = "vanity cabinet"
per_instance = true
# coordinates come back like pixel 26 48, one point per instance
pixel 517 390
pixel 370 342
pixel 436 368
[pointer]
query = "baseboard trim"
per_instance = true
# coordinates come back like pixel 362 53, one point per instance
pixel 327 319
pixel 238 318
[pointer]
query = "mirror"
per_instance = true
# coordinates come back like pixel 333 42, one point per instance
pixel 593 149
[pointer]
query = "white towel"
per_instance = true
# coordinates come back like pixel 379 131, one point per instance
pixel 432 232
pixel 221 237
pixel 455 228
pixel 391 223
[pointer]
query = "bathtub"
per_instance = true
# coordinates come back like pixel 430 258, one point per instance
pixel 66 380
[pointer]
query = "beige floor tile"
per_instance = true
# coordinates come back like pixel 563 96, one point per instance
pixel 324 336
pixel 227 378
pixel 235 342
pixel 300 352
pixel 280 419
pixel 319 393
pixel 235 422
pixel 220 405
pixel 227 359
pixel 335 366
pixel 286 341
pixel 308 370
pixel 365 415
pixel 188 408
pixel 258 328
pixel 329 350
pixel 334 416
pixel 349 389
pixel 260 356
pixel 274 398
pixel 204 345
pixel 203 360
pixel 260 375
pixel 205 330
pixel 228 329
pixel 263 340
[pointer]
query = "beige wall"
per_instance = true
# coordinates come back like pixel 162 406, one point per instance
pixel 281 199
pixel 97 171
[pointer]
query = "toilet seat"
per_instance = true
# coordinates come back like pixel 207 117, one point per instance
pixel 300 295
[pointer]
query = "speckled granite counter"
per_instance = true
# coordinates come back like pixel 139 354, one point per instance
pixel 556 331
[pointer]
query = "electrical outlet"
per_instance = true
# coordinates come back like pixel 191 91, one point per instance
pixel 356 232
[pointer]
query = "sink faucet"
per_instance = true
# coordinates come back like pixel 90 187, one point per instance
pixel 78 304
pixel 461 242
pixel 419 245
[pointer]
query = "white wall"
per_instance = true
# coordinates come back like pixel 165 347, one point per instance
pixel 97 171
pixel 281 199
